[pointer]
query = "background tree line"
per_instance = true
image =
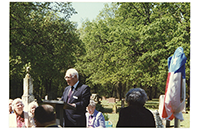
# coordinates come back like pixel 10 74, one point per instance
pixel 45 41
pixel 126 46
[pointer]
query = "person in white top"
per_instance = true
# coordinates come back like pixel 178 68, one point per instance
pixel 19 118
pixel 94 118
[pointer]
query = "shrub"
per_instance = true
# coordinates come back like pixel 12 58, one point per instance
pixel 106 116
pixel 100 108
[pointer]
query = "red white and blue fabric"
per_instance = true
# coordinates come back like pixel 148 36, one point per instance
pixel 175 92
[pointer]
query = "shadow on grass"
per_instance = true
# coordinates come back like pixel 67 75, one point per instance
pixel 109 110
pixel 172 126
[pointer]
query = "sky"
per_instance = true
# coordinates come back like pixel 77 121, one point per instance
pixel 86 10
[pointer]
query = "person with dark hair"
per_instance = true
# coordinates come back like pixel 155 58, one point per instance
pixel 136 115
pixel 44 116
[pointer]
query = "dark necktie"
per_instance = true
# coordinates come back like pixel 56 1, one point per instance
pixel 70 93
pixel 91 116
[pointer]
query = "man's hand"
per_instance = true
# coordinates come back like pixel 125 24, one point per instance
pixel 73 104
pixel 69 106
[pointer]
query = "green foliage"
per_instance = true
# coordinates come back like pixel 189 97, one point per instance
pixel 126 46
pixel 129 43
pixel 151 105
pixel 106 116
pixel 42 39
pixel 100 108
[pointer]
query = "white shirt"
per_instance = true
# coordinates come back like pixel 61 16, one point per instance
pixel 75 85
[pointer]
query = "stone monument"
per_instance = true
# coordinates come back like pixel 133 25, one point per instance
pixel 95 97
pixel 27 96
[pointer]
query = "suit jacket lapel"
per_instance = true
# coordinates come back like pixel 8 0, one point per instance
pixel 75 91
pixel 79 85
pixel 66 94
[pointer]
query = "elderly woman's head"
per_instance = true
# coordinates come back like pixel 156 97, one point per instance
pixel 136 96
pixel 10 105
pixel 18 106
pixel 32 107
pixel 91 107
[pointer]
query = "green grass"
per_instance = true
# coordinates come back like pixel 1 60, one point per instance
pixel 152 105
pixel 114 119
pixel 183 124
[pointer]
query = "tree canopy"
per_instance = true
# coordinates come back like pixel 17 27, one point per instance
pixel 45 41
pixel 126 46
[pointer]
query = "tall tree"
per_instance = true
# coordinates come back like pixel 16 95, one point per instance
pixel 45 41
pixel 129 43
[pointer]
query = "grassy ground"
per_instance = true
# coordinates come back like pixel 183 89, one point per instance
pixel 152 105
pixel 183 124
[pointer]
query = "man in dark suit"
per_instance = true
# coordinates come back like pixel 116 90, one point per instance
pixel 77 96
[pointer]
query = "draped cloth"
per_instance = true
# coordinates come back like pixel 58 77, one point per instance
pixel 175 92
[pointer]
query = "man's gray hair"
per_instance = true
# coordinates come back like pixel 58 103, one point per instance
pixel 73 72
pixel 92 103
pixel 136 95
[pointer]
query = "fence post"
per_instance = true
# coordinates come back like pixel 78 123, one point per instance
pixel 176 123
pixel 167 123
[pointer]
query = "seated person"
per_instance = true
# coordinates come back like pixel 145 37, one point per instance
pixel 136 115
pixel 94 118
pixel 20 118
pixel 31 111
pixel 10 106
pixel 44 116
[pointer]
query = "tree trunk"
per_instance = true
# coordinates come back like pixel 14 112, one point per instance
pixel 124 89
pixel 119 90
pixel 188 93
pixel 155 94
pixel 112 92
pixel 150 93
pixel 95 88
pixel 46 86
pixel 41 92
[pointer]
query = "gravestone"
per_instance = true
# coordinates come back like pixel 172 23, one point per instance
pixel 27 96
pixel 112 100
pixel 161 104
pixel 103 98
pixel 95 97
